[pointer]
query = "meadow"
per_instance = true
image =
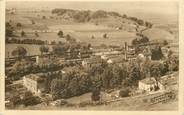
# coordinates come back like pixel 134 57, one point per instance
pixel 82 32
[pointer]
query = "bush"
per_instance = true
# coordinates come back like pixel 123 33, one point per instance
pixel 9 30
pixel 31 101
pixel 145 100
pixel 165 42
pixel 63 102
pixel 124 93
pixel 83 104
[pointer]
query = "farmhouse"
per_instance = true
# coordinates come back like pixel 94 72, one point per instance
pixel 35 84
pixel 150 84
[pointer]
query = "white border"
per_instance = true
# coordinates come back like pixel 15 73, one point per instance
pixel 45 112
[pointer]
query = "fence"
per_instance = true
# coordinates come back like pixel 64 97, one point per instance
pixel 163 98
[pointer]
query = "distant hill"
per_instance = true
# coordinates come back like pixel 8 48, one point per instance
pixel 113 19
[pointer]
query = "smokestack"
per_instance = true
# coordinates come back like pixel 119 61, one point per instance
pixel 125 50
pixel 37 59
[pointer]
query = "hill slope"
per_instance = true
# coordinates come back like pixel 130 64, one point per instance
pixel 112 19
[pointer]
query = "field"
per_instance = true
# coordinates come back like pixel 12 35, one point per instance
pixel 31 49
pixel 83 32
pixel 125 104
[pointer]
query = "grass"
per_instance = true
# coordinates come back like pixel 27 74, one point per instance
pixel 31 49
pixel 84 31
pixel 126 104
pixel 158 34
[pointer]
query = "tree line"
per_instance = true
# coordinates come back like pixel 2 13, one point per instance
pixel 25 41
pixel 85 16
pixel 107 76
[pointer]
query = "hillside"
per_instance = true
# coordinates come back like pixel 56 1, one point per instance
pixel 112 19
pixel 85 26
pixel 161 34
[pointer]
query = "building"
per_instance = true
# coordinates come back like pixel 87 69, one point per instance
pixel 88 62
pixel 115 59
pixel 150 84
pixel 147 52
pixel 34 83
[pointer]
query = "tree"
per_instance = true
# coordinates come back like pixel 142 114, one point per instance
pixel 19 25
pixel 106 77
pixel 36 34
pixel 89 46
pixel 165 42
pixel 9 30
pixel 43 17
pixel 33 22
pixel 92 37
pixel 105 36
pixel 15 100
pixel 60 49
pixel 19 52
pixel 99 14
pixel 68 37
pixel 173 63
pixel 134 75
pixel 148 24
pixel 135 41
pixel 57 86
pixel 140 22
pixel 60 34
pixel 95 94
pixel 82 16
pixel 44 49
pixel 23 34
pixel 74 86
pixel 124 92
pixel 145 68
pixel 157 70
pixel 156 53
pixel 142 40
pixel 117 76
pixel 124 16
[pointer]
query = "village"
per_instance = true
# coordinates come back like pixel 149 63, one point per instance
pixel 68 73
pixel 36 85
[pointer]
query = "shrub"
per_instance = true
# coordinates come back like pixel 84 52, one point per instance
pixel 124 92
pixel 145 100
pixel 83 104
pixel 31 101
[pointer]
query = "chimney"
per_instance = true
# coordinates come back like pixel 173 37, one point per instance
pixel 37 59
pixel 125 50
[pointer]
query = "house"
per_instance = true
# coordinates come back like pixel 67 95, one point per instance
pixel 84 54
pixel 35 84
pixel 115 59
pixel 147 52
pixel 104 57
pixel 88 62
pixel 150 84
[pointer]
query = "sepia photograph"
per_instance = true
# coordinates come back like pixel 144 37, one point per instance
pixel 92 55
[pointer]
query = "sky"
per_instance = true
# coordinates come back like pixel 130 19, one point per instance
pixel 146 10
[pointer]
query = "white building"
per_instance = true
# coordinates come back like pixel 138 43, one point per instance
pixel 34 83
pixel 150 84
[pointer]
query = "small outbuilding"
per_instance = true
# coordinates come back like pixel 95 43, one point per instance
pixel 150 84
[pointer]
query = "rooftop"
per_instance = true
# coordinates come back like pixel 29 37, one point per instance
pixel 35 77
pixel 148 81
